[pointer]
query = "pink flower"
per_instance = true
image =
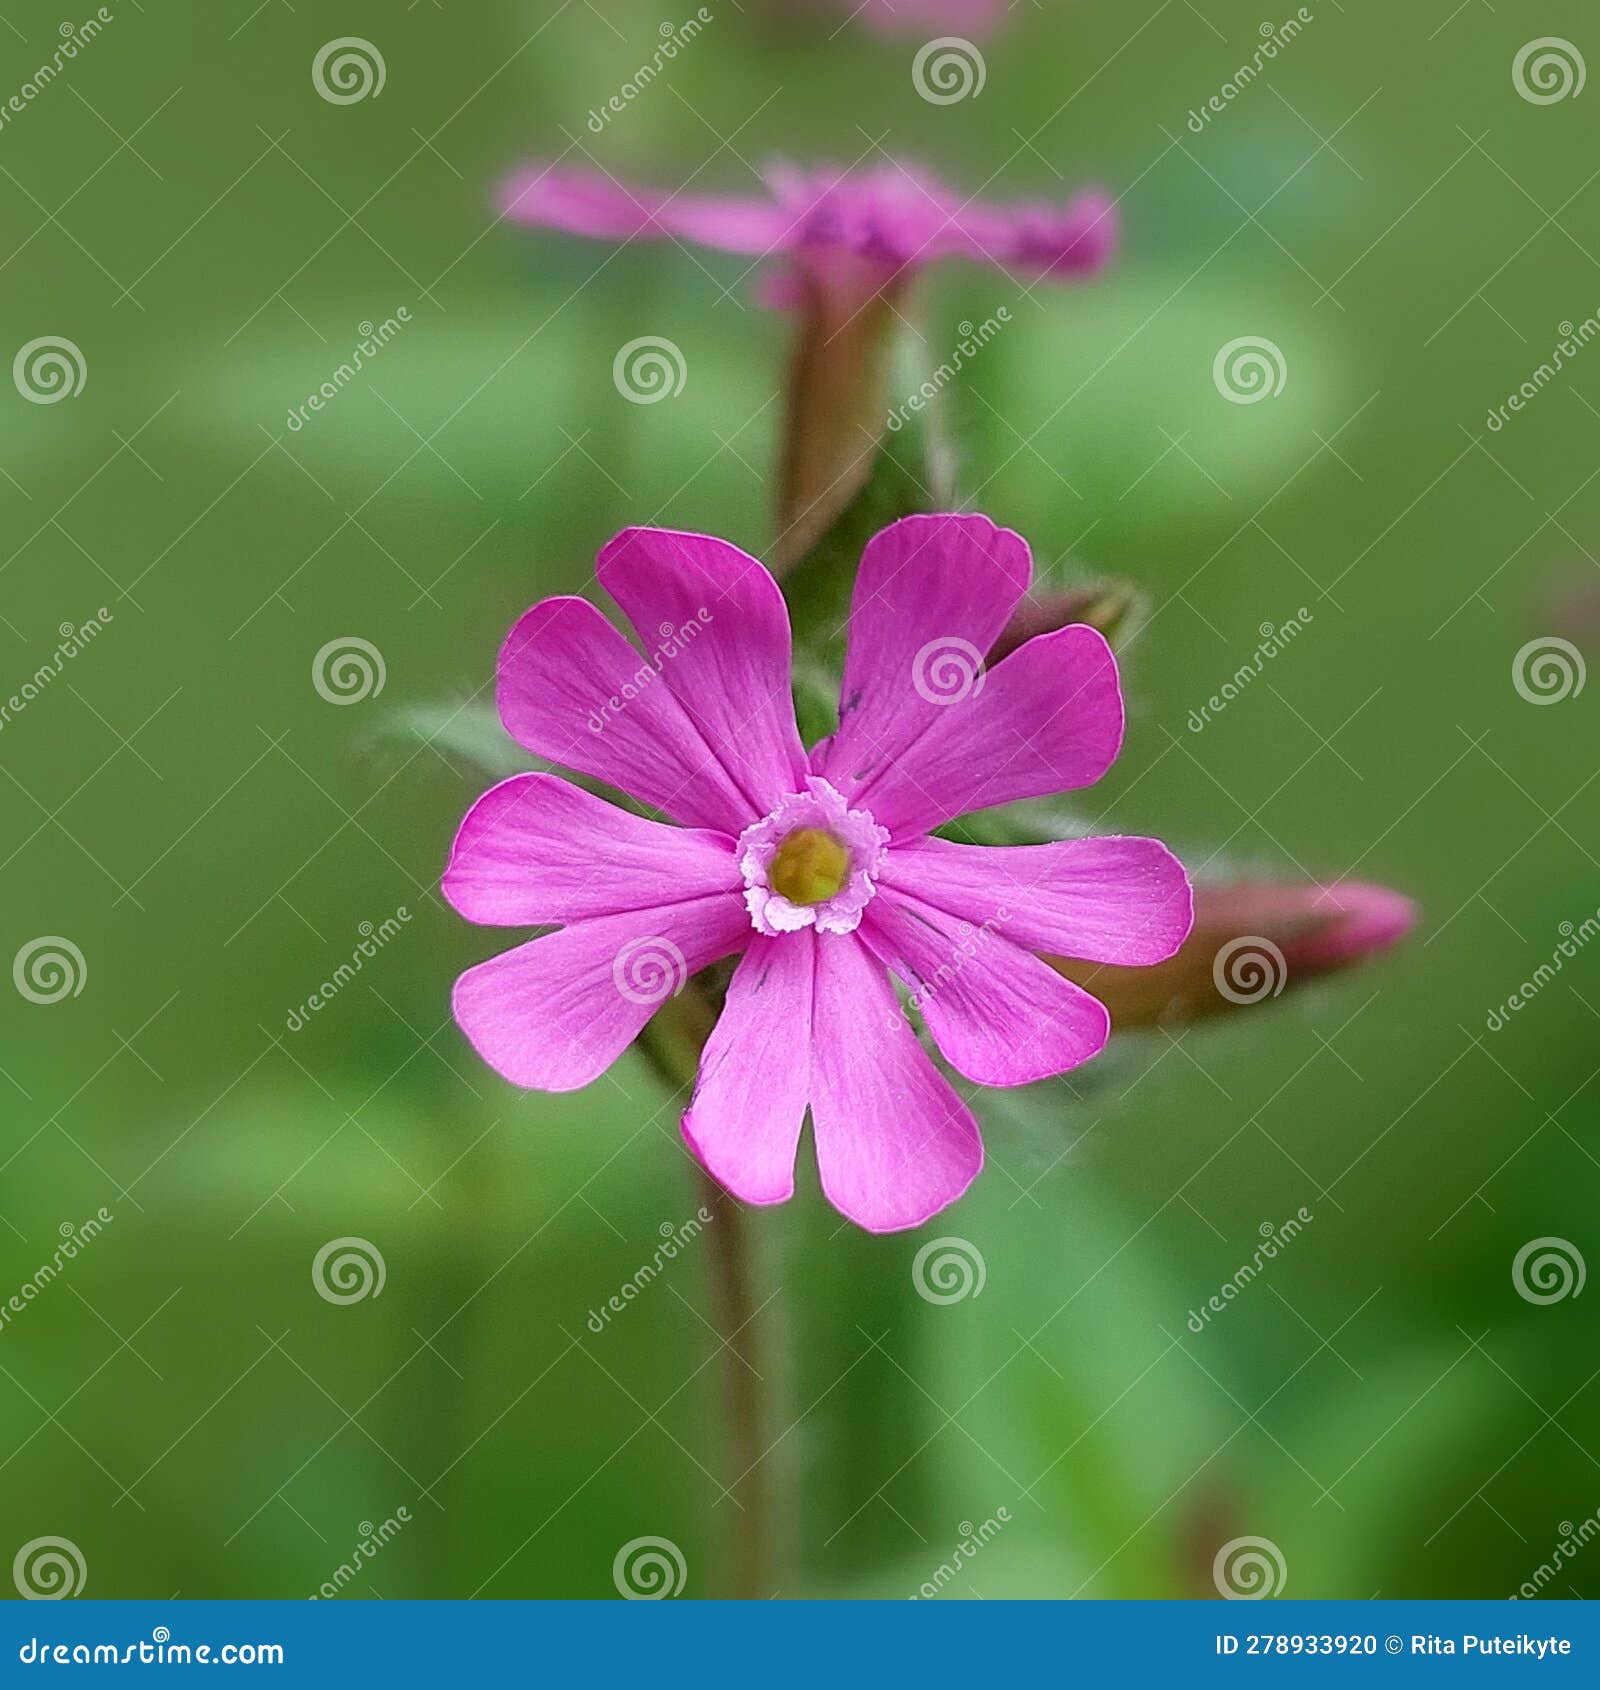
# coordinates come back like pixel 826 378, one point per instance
pixel 820 869
pixel 902 17
pixel 864 228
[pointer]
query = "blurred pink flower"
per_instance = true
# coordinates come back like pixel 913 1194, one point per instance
pixel 864 227
pixel 820 869
pixel 908 17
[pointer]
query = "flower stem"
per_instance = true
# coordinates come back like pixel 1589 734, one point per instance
pixel 750 1577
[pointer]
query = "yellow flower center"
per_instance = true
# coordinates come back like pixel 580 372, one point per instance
pixel 809 867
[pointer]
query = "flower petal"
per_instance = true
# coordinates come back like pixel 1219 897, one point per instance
pixel 895 1144
pixel 554 1014
pixel 536 848
pixel 1047 719
pixel 1118 900
pixel 589 202
pixel 720 629
pixel 998 1014
pixel 931 596
pixel 1075 240
pixel 574 690
pixel 750 1098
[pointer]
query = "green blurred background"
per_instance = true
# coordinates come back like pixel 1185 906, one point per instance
pixel 181 804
